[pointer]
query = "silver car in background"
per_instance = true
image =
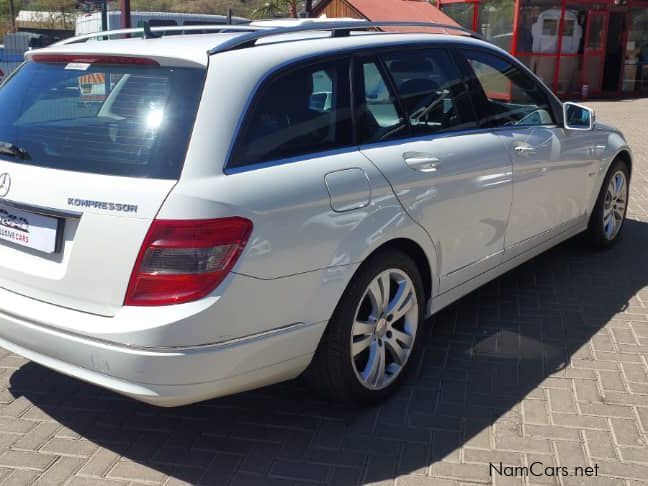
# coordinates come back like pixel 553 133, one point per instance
pixel 188 216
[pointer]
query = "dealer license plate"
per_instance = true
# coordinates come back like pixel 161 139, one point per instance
pixel 28 229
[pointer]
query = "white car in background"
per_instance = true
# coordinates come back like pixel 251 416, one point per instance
pixel 231 211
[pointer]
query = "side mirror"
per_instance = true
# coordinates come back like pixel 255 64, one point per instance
pixel 578 117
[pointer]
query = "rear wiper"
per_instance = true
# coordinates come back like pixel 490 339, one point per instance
pixel 8 148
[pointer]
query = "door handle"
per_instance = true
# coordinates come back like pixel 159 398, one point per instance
pixel 421 162
pixel 524 150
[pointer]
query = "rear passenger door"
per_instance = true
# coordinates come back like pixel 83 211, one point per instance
pixel 416 123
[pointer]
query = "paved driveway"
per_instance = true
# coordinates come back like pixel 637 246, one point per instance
pixel 547 366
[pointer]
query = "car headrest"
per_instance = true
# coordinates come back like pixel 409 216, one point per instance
pixel 418 87
pixel 412 66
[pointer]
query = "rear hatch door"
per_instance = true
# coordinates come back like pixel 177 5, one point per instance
pixel 89 150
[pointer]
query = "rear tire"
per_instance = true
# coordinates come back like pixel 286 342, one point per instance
pixel 372 338
pixel 608 216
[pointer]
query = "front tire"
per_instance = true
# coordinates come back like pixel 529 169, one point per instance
pixel 371 339
pixel 608 216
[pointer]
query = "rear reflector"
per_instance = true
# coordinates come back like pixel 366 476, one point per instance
pixel 93 59
pixel 183 261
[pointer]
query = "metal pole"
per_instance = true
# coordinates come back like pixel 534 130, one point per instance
pixel 561 30
pixel 125 14
pixel 516 28
pixel 104 15
pixel 12 13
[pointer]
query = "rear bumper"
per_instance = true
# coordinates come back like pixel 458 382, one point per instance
pixel 166 376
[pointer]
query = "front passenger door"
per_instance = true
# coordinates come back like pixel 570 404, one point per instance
pixel 550 178
pixel 416 123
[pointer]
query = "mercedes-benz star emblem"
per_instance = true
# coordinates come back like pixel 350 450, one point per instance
pixel 5 184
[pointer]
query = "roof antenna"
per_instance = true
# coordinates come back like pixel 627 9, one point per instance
pixel 229 16
pixel 148 33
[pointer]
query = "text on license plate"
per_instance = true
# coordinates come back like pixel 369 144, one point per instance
pixel 28 229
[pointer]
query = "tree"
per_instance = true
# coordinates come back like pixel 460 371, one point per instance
pixel 8 11
pixel 12 14
pixel 54 14
pixel 241 8
pixel 277 8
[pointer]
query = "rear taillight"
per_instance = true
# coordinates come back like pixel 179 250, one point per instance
pixel 182 261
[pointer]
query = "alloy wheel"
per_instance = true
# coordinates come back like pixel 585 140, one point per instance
pixel 384 329
pixel 614 206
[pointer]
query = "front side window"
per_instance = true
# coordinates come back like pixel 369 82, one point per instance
pixel 505 94
pixel 431 91
pixel 301 112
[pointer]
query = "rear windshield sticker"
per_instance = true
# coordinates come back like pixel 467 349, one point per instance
pixel 78 66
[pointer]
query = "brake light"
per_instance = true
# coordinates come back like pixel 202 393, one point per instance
pixel 182 261
pixel 93 59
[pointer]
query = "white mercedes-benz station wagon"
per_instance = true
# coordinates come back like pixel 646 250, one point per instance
pixel 188 216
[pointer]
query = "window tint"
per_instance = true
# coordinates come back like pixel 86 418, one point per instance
pixel 431 91
pixel 203 22
pixel 301 112
pixel 378 116
pixel 506 95
pixel 162 23
pixel 190 23
pixel 117 120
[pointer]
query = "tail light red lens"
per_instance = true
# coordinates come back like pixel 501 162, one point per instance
pixel 183 261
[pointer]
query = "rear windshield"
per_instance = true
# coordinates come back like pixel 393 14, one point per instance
pixel 124 120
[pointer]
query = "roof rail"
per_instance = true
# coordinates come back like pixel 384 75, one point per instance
pixel 337 29
pixel 211 29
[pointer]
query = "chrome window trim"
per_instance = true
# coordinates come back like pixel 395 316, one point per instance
pixel 290 160
pixel 385 143
pixel 353 52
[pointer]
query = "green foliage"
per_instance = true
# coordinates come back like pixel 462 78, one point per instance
pixel 243 8
pixel 276 8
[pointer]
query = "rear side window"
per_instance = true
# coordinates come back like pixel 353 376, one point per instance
pixel 124 120
pixel 505 94
pixel 304 111
pixel 431 91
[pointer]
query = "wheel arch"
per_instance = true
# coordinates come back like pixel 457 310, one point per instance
pixel 412 249
pixel 317 374
pixel 624 155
